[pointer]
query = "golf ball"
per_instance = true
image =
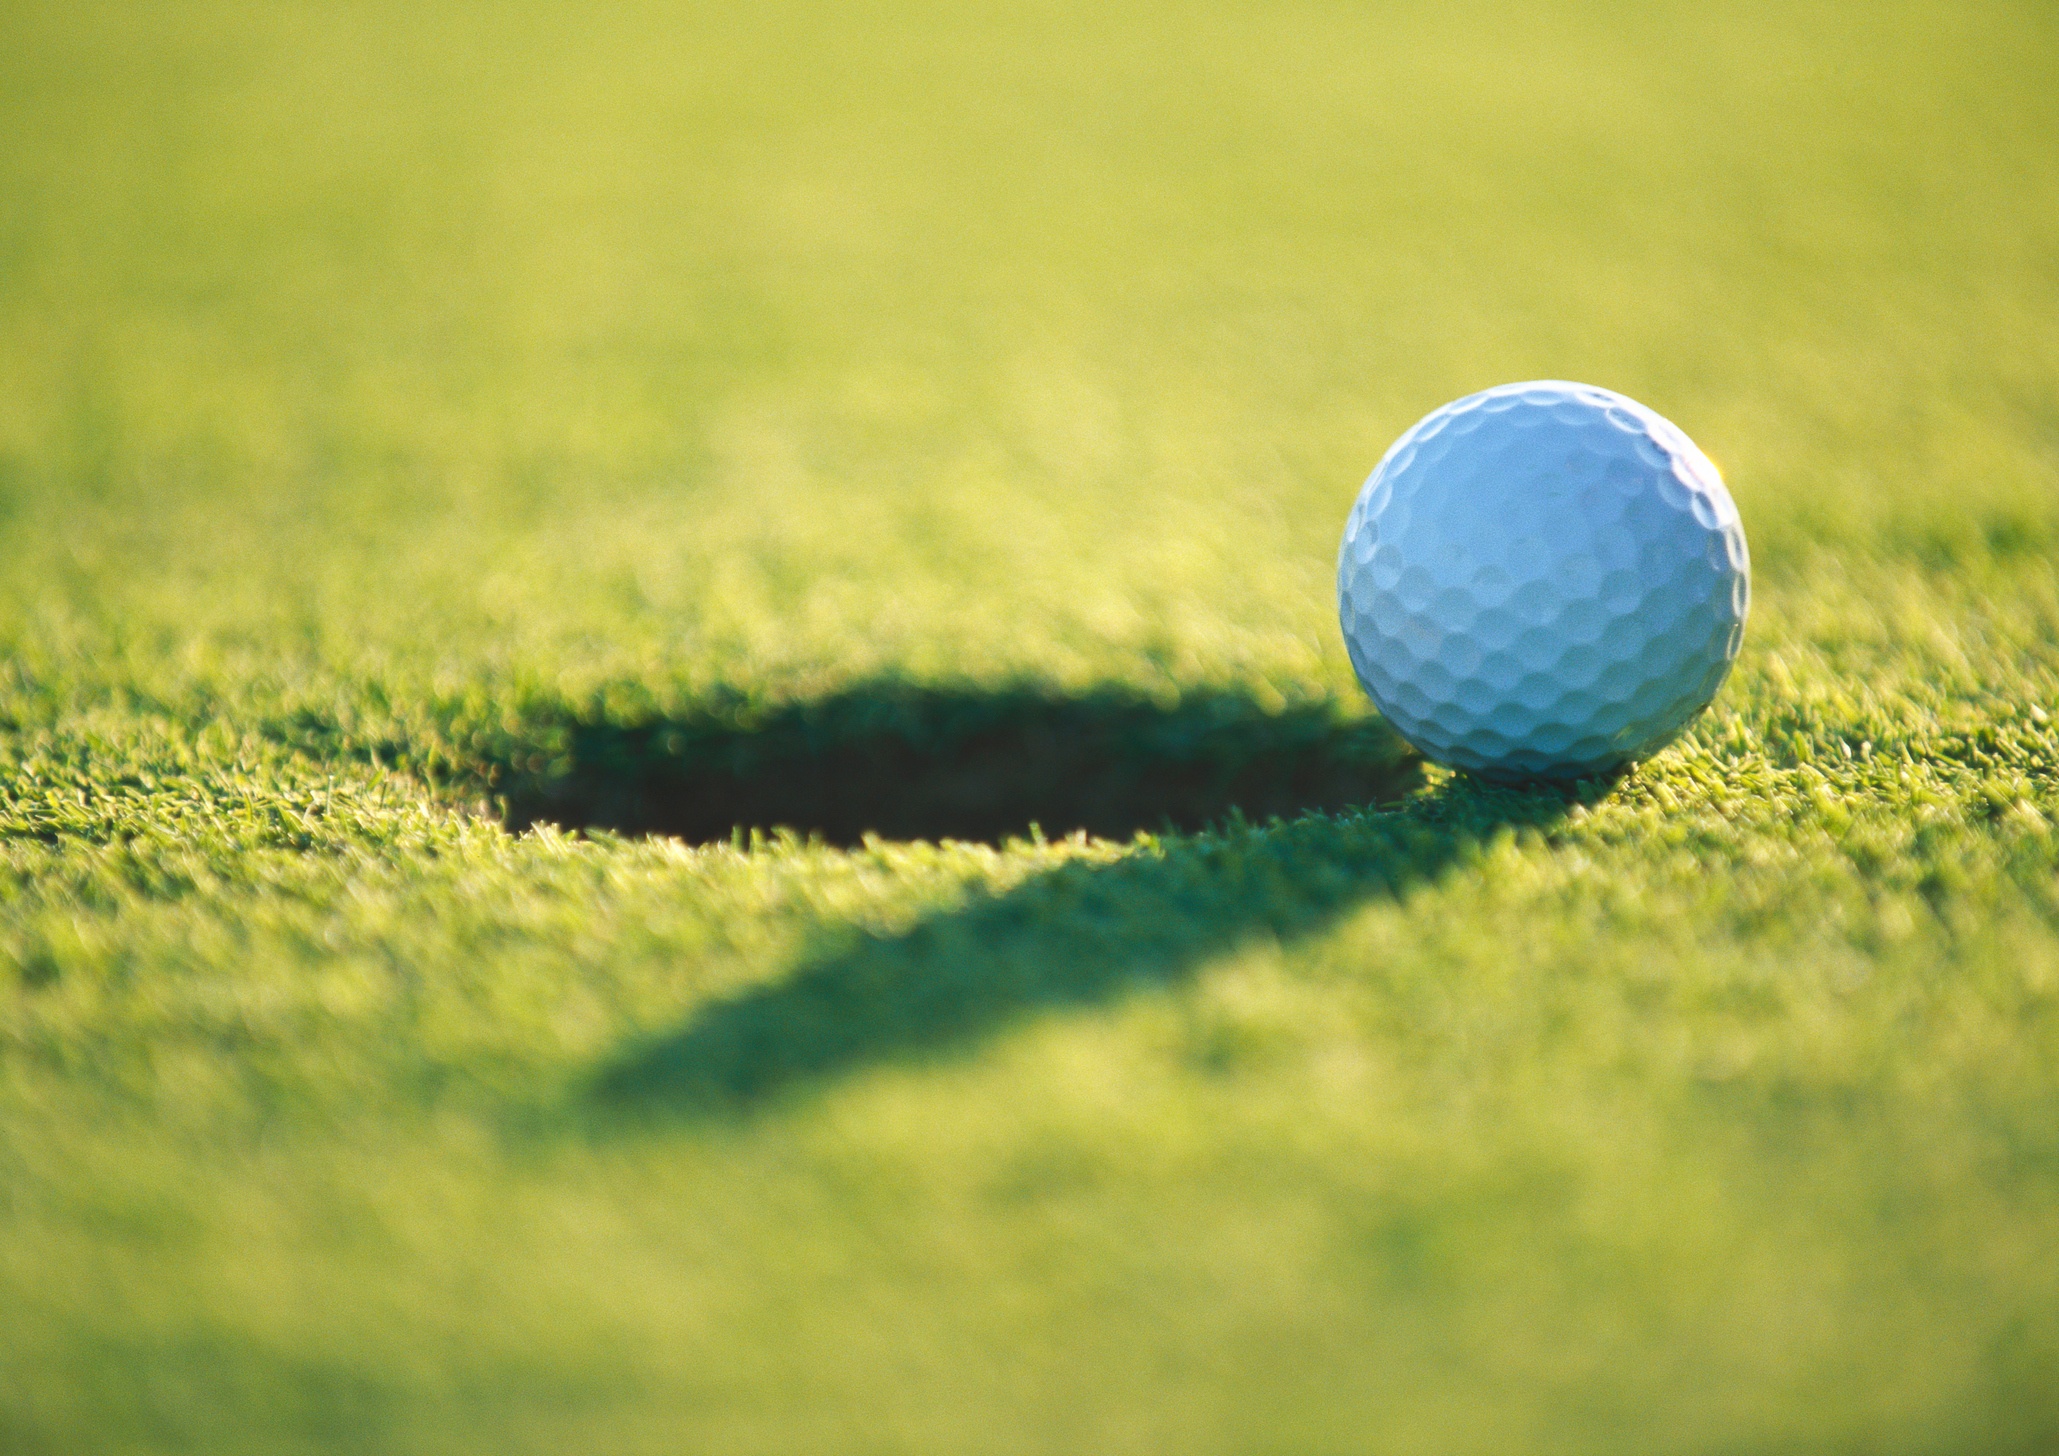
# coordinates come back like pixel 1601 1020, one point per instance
pixel 1542 581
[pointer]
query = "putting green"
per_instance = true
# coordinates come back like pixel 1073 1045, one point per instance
pixel 439 444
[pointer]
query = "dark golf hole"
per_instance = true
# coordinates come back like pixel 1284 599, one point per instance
pixel 905 762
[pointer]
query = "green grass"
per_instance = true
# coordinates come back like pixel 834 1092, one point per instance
pixel 418 420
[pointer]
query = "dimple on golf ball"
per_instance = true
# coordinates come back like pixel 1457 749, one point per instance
pixel 1542 581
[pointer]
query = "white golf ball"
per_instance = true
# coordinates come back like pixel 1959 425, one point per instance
pixel 1542 581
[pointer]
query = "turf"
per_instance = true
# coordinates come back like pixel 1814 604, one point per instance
pixel 441 444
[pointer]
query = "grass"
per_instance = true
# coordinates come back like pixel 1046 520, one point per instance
pixel 427 431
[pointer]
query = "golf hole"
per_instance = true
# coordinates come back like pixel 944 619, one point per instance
pixel 904 762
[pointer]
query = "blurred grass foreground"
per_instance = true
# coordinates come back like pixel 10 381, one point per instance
pixel 675 772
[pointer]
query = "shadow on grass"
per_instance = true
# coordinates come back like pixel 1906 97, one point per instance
pixel 1081 934
pixel 906 762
